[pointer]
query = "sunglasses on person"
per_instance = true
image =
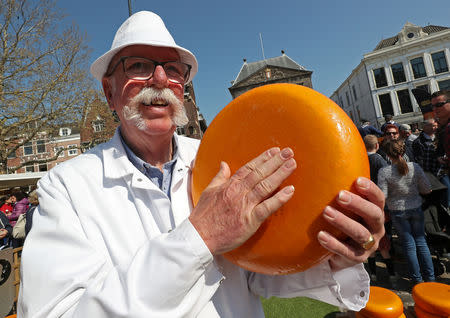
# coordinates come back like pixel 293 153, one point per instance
pixel 440 104
pixel 391 133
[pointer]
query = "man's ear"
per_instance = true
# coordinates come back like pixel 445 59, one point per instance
pixel 107 89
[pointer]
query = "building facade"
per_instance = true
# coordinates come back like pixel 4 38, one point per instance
pixel 417 57
pixel 45 150
pixel 280 69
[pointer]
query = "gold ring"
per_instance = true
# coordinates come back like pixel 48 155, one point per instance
pixel 367 245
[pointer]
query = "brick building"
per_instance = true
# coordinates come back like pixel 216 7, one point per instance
pixel 45 150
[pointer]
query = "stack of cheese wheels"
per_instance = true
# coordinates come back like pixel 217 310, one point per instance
pixel 432 300
pixel 382 303
pixel 330 155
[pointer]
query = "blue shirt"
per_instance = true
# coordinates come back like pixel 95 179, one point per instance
pixel 162 179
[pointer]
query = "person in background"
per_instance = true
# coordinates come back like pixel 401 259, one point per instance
pixel 402 184
pixel 391 132
pixel 424 148
pixel 440 101
pixel 389 120
pixel 408 137
pixel 367 129
pixel 20 207
pixel 377 162
pixel 5 230
pixel 34 202
pixel 8 205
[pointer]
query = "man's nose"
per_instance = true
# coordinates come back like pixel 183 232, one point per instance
pixel 159 78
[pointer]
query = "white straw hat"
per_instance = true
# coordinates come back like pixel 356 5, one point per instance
pixel 145 28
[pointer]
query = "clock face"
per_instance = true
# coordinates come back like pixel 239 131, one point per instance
pixel 410 35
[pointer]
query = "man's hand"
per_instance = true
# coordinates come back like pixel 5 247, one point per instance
pixel 3 233
pixel 369 205
pixel 231 209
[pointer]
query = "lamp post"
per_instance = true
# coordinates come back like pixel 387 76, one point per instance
pixel 129 8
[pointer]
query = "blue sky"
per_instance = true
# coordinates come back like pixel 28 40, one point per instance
pixel 327 37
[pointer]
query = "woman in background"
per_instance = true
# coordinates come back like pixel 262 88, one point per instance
pixel 402 183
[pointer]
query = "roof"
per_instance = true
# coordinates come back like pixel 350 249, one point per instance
pixel 248 69
pixel 393 40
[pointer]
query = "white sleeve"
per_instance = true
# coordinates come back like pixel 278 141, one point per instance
pixel 64 275
pixel 348 288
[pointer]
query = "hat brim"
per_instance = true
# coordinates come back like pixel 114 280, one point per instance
pixel 100 65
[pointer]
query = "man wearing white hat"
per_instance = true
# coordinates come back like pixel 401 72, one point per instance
pixel 116 234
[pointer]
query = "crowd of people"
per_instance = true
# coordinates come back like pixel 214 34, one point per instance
pixel 405 164
pixel 16 216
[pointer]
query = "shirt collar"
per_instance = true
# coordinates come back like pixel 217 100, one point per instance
pixel 140 164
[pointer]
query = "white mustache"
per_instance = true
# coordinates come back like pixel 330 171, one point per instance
pixel 132 113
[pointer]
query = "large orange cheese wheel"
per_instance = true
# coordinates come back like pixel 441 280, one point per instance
pixel 330 155
pixel 433 297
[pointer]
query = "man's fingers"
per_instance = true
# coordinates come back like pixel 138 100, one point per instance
pixel 370 191
pixel 267 186
pixel 250 166
pixel 371 213
pixel 263 210
pixel 347 225
pixel 352 254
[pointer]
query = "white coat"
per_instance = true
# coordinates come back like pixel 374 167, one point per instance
pixel 106 242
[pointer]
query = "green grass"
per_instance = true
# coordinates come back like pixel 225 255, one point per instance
pixel 301 307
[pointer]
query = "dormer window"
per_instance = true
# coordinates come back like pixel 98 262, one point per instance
pixel 268 73
pixel 64 131
pixel 410 35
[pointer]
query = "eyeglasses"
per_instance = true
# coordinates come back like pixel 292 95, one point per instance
pixel 139 68
pixel 391 133
pixel 440 104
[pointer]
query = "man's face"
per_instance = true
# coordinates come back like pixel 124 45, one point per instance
pixel 392 134
pixel 12 199
pixel 147 115
pixel 405 133
pixel 442 113
pixel 430 128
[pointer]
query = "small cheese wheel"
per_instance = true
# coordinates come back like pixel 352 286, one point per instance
pixel 383 303
pixel 433 297
pixel 330 155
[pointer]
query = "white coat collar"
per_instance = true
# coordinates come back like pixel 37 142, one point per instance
pixel 117 165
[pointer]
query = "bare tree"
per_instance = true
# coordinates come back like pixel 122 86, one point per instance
pixel 43 73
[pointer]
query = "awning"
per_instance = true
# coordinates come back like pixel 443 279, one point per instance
pixel 20 179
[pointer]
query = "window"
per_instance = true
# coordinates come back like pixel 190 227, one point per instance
pixel 40 146
pixel 405 101
pixel 43 167
pixel 444 85
pixel 354 92
pixel 73 150
pixel 58 148
pixel 29 168
pixel 12 155
pixel 418 67
pixel 386 104
pixel 348 98
pixel 99 125
pixel 64 131
pixel 380 77
pixel 424 87
pixel 398 73
pixel 28 149
pixel 439 62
